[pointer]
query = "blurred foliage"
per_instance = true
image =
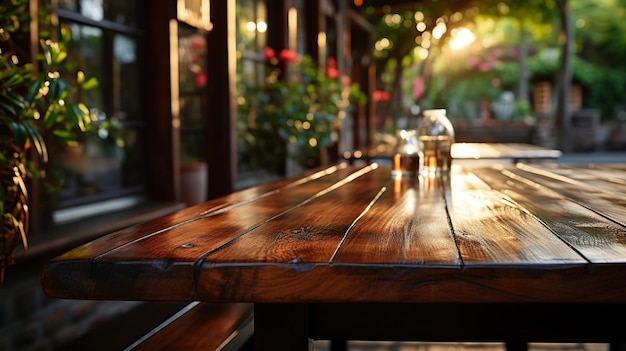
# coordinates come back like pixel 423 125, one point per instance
pixel 499 26
pixel 37 104
pixel 304 109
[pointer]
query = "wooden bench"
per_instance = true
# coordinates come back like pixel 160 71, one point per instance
pixel 202 325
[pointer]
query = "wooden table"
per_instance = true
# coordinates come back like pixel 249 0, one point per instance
pixel 509 253
pixel 470 151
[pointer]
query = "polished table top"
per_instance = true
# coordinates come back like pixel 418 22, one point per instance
pixel 471 151
pixel 507 233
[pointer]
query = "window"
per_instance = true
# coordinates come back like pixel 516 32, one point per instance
pixel 255 19
pixel 252 25
pixel 107 37
pixel 192 75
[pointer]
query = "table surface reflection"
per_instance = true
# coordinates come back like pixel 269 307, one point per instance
pixel 346 243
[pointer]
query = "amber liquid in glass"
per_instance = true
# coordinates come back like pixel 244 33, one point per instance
pixel 436 151
pixel 404 165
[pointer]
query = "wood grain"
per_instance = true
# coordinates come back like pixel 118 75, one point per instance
pixel 525 233
pixel 596 238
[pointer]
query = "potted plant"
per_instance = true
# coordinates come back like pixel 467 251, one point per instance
pixel 296 113
pixel 35 106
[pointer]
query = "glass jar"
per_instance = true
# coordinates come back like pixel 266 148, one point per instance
pixel 405 158
pixel 435 136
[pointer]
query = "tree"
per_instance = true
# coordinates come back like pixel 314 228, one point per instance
pixel 395 35
pixel 584 33
pixel 406 33
pixel 564 77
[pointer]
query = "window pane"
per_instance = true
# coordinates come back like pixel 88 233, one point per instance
pixel 91 169
pixel 123 11
pixel 86 52
pixel 126 79
pixel 119 11
pixel 192 56
pixel 92 9
pixel 69 5
pixel 252 25
pixel 97 169
pixel 133 175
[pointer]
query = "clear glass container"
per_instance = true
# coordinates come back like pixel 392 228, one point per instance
pixel 405 158
pixel 435 136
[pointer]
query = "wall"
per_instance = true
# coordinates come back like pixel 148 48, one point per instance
pixel 29 320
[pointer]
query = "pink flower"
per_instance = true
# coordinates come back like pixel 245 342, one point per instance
pixel 332 72
pixel 269 53
pixel 331 68
pixel 200 79
pixel 381 95
pixel 418 87
pixel 287 55
pixel 197 43
pixel 495 82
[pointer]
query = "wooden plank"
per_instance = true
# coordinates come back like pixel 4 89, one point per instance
pixel 600 176
pixel 611 204
pixel 307 231
pixel 530 151
pixel 490 229
pixel 293 277
pixel 514 151
pixel 175 242
pixel 303 282
pixel 408 223
pixel 205 326
pixel 216 229
pixel 598 239
pixel 139 232
pixel 303 241
pixel 542 277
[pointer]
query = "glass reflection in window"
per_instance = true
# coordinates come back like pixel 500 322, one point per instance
pixel 118 11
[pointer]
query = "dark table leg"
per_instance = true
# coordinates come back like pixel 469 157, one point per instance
pixel 338 345
pixel 615 346
pixel 281 327
pixel 516 346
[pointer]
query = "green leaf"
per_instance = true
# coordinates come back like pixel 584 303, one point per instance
pixel 8 107
pixel 4 35
pixel 33 91
pixel 66 33
pixel 55 90
pixel 38 142
pixel 50 117
pixel 20 134
pixel 13 80
pixel 64 136
pixel 61 56
pixel 89 84
pixel 79 117
pixel 66 88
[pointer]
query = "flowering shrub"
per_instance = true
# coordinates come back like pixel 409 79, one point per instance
pixel 302 106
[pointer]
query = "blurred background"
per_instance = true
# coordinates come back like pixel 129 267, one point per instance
pixel 197 98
